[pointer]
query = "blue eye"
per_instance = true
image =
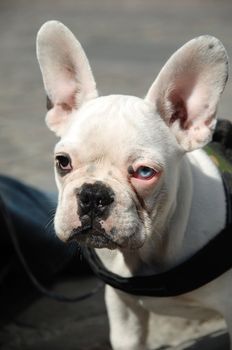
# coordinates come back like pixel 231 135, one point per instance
pixel 144 173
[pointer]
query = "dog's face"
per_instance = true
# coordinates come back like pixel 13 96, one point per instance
pixel 110 172
pixel 117 160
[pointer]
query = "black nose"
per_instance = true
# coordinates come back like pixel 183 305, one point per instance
pixel 95 199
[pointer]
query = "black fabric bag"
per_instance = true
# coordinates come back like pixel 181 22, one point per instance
pixel 31 213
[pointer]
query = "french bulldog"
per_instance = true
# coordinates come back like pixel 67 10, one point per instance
pixel 133 180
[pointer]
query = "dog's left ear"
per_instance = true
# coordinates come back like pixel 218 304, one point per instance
pixel 67 75
pixel 188 88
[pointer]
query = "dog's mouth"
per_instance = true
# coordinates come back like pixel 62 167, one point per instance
pixel 93 235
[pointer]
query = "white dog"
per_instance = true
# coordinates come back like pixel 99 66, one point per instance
pixel 133 182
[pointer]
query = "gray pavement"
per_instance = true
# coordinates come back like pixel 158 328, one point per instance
pixel 127 43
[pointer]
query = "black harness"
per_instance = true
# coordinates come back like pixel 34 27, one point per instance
pixel 208 263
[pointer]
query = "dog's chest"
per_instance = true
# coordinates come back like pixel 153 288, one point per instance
pixel 183 306
pixel 201 303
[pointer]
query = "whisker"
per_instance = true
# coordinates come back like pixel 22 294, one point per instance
pixel 49 223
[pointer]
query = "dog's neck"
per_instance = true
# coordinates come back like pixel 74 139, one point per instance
pixel 196 214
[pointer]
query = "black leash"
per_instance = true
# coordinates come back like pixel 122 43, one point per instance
pixel 50 294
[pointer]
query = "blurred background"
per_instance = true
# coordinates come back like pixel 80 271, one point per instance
pixel 127 43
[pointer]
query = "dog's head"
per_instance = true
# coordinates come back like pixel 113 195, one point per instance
pixel 116 163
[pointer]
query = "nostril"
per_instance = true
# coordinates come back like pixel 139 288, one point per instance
pixel 99 202
pixel 85 199
pixel 103 199
pixel 85 205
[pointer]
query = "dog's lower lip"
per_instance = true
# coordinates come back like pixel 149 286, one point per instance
pixel 81 235
pixel 77 233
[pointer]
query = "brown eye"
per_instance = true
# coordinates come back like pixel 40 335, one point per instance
pixel 63 163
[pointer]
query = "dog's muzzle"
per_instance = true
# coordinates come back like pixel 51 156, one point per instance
pixel 94 205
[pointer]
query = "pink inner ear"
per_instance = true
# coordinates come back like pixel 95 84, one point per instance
pixel 64 101
pixel 192 105
pixel 68 102
pixel 188 88
pixel 64 93
pixel 179 111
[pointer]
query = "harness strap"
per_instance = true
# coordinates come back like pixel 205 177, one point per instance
pixel 204 266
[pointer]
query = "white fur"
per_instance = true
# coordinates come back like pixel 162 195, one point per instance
pixel 157 223
pixel 66 71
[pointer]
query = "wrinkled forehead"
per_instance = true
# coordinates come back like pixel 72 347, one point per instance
pixel 113 125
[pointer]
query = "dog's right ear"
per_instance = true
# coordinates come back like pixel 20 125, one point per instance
pixel 66 72
pixel 187 90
